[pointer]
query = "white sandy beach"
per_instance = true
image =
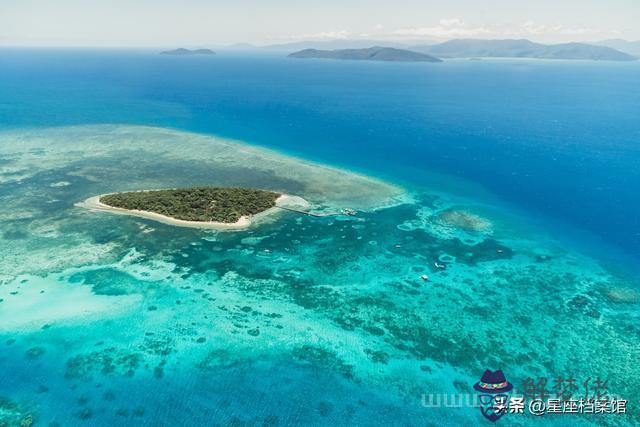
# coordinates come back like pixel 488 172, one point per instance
pixel 285 200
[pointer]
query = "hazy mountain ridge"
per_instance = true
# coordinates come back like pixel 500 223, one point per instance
pixel 375 53
pixel 521 48
pixel 335 44
pixel 607 50
pixel 183 51
pixel 626 46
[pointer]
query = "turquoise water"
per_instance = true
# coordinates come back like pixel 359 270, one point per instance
pixel 108 319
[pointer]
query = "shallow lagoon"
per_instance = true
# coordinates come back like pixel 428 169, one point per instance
pixel 301 320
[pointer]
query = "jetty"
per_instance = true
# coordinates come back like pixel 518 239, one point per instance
pixel 349 212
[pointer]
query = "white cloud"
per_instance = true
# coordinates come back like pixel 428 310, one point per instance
pixel 451 22
pixel 531 27
pixel 324 35
pixel 446 28
pixel 454 27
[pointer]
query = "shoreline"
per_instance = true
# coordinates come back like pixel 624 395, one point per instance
pixel 286 200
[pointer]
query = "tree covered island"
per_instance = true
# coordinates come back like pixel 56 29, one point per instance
pixel 202 204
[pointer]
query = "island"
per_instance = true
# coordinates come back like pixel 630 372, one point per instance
pixel 183 51
pixel 375 53
pixel 521 48
pixel 201 207
pixel 630 47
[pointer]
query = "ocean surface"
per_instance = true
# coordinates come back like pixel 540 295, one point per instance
pixel 512 184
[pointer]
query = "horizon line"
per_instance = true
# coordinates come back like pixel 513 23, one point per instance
pixel 231 45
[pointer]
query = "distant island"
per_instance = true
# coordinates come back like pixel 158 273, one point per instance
pixel 630 47
pixel 521 48
pixel 369 54
pixel 204 207
pixel 183 51
pixel 334 44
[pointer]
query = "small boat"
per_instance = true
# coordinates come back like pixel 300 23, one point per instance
pixel 424 277
pixel 440 266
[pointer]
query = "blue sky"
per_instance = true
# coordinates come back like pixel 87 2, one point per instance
pixel 213 22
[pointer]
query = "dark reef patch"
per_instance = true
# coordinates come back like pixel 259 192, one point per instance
pixel 109 281
pixel 15 235
pixel 13 414
pixel 108 361
pixel 319 356
pixel 35 352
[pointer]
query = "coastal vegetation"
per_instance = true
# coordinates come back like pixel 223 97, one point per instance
pixel 204 204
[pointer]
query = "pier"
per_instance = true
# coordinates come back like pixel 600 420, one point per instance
pixel 317 215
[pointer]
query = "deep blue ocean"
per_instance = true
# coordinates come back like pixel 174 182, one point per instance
pixel 558 138
pixel 497 227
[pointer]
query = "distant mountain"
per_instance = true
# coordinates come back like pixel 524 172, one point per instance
pixel 183 51
pixel 242 46
pixel 333 45
pixel 522 48
pixel 370 54
pixel 632 48
pixel 461 48
pixel 585 51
